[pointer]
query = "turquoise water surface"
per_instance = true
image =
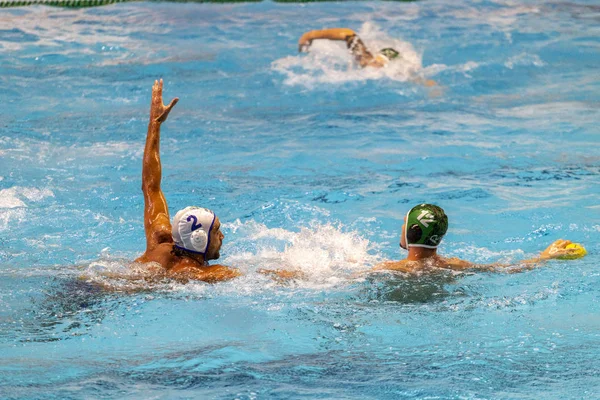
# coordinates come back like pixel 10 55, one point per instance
pixel 311 164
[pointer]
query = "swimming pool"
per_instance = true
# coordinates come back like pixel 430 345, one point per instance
pixel 309 165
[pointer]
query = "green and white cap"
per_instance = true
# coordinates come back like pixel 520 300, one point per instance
pixel 426 225
pixel 389 53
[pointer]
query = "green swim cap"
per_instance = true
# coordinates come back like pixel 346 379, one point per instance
pixel 389 53
pixel 426 225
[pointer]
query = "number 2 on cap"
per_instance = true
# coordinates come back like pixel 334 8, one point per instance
pixel 194 226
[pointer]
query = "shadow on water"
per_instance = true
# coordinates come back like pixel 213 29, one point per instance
pixel 404 288
pixel 69 309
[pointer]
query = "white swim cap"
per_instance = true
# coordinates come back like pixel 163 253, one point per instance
pixel 191 229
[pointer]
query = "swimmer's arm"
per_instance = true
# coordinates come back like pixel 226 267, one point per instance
pixel 331 34
pixel 396 266
pixel 457 264
pixel 210 274
pixel 425 82
pixel 401 266
pixel 282 275
pixel 555 250
pixel 156 213
pixel 356 46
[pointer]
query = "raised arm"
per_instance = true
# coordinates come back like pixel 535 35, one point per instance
pixel 157 224
pixel 557 249
pixel 356 46
pixel 331 34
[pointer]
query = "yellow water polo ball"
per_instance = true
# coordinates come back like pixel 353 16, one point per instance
pixel 580 252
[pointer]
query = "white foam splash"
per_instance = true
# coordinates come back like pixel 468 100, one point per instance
pixel 465 68
pixel 322 252
pixel 330 62
pixel 524 59
pixel 12 204
pixel 9 200
pixel 12 197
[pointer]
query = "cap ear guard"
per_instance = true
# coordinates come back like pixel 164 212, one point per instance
pixel 199 240
pixel 413 234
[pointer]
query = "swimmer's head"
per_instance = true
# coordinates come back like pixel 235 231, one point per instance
pixel 389 53
pixel 424 226
pixel 197 230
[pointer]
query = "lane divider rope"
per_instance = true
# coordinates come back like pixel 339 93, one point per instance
pixel 97 3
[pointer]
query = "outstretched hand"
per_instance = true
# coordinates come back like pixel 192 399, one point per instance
pixel 304 43
pixel 158 111
pixel 558 249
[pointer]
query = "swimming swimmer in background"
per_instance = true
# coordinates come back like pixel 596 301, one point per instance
pixel 184 248
pixel 356 46
pixel 424 227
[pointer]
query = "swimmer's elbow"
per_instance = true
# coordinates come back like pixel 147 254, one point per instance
pixel 150 185
pixel 346 32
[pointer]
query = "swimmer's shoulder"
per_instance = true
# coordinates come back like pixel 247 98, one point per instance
pixel 161 254
pixel 185 269
pixel 453 263
pixel 401 266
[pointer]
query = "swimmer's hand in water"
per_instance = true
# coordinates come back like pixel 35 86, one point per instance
pixel 559 249
pixel 282 275
pixel 158 111
pixel 304 44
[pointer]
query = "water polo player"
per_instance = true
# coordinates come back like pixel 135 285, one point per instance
pixel 424 227
pixel 356 46
pixel 195 237
pixel 358 49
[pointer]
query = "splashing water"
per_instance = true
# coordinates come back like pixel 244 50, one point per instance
pixel 325 254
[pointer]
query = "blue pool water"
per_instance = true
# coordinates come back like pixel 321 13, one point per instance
pixel 310 164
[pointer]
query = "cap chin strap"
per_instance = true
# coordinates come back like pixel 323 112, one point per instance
pixel 425 246
pixel 191 251
pixel 406 230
